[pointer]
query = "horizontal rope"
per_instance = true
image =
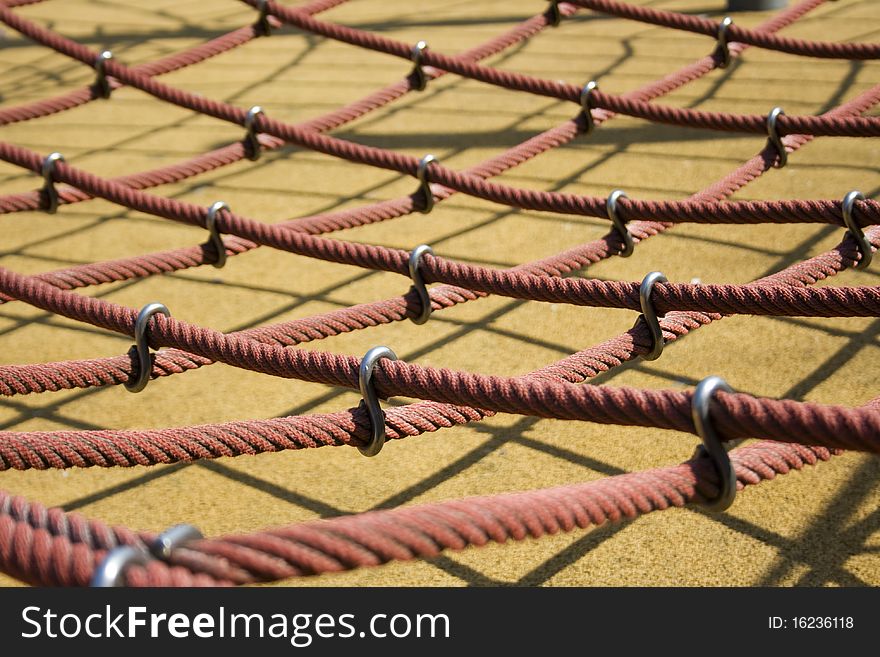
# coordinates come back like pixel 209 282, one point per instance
pixel 49 547
pixel 47 553
pixel 708 27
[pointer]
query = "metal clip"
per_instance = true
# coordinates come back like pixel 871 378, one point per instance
pixel 587 104
pixel 111 571
pixel 773 135
pixel 721 50
pixel 102 84
pixel 48 172
pixel 712 446
pixel 555 13
pixel 251 143
pixel 262 23
pixel 145 360
pixel 619 224
pixel 855 230
pixel 649 315
pixel 419 284
pixel 371 400
pixel 425 186
pixel 215 240
pixel 173 538
pixel 421 79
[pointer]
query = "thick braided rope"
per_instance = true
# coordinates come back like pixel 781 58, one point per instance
pixel 48 547
pixel 709 28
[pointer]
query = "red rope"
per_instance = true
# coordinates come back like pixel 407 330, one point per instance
pixel 709 27
pixel 49 547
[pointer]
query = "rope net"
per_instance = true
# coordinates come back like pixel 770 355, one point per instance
pixel 53 546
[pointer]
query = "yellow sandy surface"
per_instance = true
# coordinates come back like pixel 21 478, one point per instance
pixel 820 526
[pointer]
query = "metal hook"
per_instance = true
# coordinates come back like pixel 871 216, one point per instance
pixel 173 538
pixel 145 360
pixel 587 103
pixel 855 230
pixel 215 239
pixel 48 172
pixel 774 138
pixel 649 315
pixel 371 400
pixel 619 224
pixel 555 13
pixel 101 81
pixel 111 571
pixel 418 283
pixel 424 186
pixel 712 446
pixel 263 21
pixel 251 143
pixel 721 49
pixel 421 79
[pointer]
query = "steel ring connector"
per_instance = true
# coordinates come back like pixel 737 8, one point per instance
pixel 855 230
pixel 587 104
pixel 110 573
pixel 251 143
pixel 145 360
pixel 418 73
pixel 102 84
pixel 215 240
pixel 774 138
pixel 173 538
pixel 712 446
pixel 419 283
pixel 371 400
pixel 555 13
pixel 619 224
pixel 48 173
pixel 721 49
pixel 262 23
pixel 649 315
pixel 424 185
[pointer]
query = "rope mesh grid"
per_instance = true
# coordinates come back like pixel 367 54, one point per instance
pixel 49 547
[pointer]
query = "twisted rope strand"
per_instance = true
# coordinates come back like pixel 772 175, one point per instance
pixel 47 546
pixel 708 27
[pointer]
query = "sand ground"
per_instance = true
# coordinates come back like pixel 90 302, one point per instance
pixel 816 527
